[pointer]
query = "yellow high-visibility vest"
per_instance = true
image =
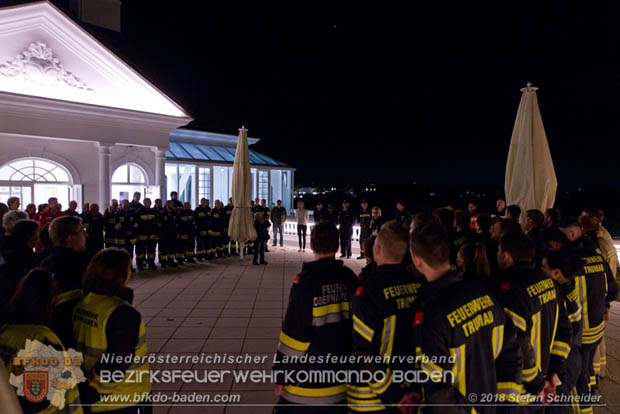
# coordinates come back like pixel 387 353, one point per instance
pixel 13 339
pixel 90 318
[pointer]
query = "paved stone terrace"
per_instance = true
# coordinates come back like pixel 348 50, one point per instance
pixel 233 307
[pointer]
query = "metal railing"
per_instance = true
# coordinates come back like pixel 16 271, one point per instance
pixel 290 228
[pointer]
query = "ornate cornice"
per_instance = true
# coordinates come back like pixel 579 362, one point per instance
pixel 38 65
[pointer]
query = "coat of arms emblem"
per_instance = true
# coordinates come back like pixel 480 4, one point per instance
pixel 35 385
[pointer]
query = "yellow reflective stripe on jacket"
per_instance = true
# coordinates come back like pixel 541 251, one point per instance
pixel 69 295
pixel 382 386
pixel 331 313
pixel 387 337
pixel 518 321
pixel 497 340
pixel 325 395
pixel 460 380
pixel 365 405
pixel 535 337
pixel 511 390
pixel 529 374
pixel 291 346
pixel 561 349
pixel 361 328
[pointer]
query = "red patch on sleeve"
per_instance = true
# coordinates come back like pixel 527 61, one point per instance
pixel 297 279
pixel 419 318
pixel 359 291
pixel 504 286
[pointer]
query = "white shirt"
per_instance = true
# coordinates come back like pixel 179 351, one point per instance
pixel 302 216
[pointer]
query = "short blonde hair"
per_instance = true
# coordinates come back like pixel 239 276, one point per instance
pixel 377 209
pixel 394 240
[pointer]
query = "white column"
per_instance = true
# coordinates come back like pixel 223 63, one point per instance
pixel 160 173
pixel 211 188
pixel 291 184
pixel 104 177
pixel 269 189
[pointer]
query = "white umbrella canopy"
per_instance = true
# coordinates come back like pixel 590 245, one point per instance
pixel 530 177
pixel 241 226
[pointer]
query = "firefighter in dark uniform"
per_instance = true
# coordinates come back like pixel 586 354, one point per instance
pixel 185 234
pixel 460 329
pixel 174 197
pixel 562 266
pixel 317 324
pixel 217 223
pixel 168 235
pixel 109 227
pixel 319 213
pixel 363 218
pixel 146 221
pixel 346 221
pixel 597 289
pixel 383 320
pixel 202 218
pixel 331 216
pixel 531 299
pixel 225 238
pixel 267 216
pixel 94 224
pixel 126 234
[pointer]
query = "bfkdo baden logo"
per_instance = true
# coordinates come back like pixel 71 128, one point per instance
pixel 47 373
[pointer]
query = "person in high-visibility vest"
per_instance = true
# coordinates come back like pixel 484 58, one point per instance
pixel 67 264
pixel 105 323
pixel 30 320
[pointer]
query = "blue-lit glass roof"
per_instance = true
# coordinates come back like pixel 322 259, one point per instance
pixel 214 153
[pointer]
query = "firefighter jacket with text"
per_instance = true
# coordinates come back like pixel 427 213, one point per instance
pixel 383 319
pixel 126 231
pixel 185 223
pixel 317 326
pixel 467 346
pixel 109 227
pixel 168 223
pixel 596 288
pixel 202 218
pixel 146 220
pixel 217 221
pixel 533 302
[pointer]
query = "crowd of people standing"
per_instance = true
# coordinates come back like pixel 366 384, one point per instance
pixel 511 309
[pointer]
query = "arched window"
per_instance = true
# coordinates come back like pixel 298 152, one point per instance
pixel 35 170
pixel 35 180
pixel 128 179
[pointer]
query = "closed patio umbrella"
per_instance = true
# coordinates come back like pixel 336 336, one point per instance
pixel 530 177
pixel 241 226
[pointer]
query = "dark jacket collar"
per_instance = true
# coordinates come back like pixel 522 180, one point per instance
pixel 328 262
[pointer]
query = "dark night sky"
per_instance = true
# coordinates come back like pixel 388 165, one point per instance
pixel 345 92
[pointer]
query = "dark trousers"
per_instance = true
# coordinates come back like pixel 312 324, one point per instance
pixel 259 250
pixel 586 376
pixel 364 235
pixel 185 246
pixel 216 247
pixel 167 248
pixel 145 251
pixel 569 382
pixel 301 234
pixel 225 241
pixel 345 243
pixel 202 245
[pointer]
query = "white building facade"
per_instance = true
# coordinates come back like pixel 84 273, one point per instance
pixel 78 123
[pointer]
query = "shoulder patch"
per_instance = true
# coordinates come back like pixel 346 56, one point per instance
pixel 504 286
pixel 297 279
pixel 419 318
pixel 359 291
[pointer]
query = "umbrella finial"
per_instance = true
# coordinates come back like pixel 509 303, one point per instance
pixel 529 88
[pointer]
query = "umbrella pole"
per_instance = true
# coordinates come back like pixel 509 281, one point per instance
pixel 241 251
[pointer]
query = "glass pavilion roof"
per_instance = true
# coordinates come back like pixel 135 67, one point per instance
pixel 214 153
